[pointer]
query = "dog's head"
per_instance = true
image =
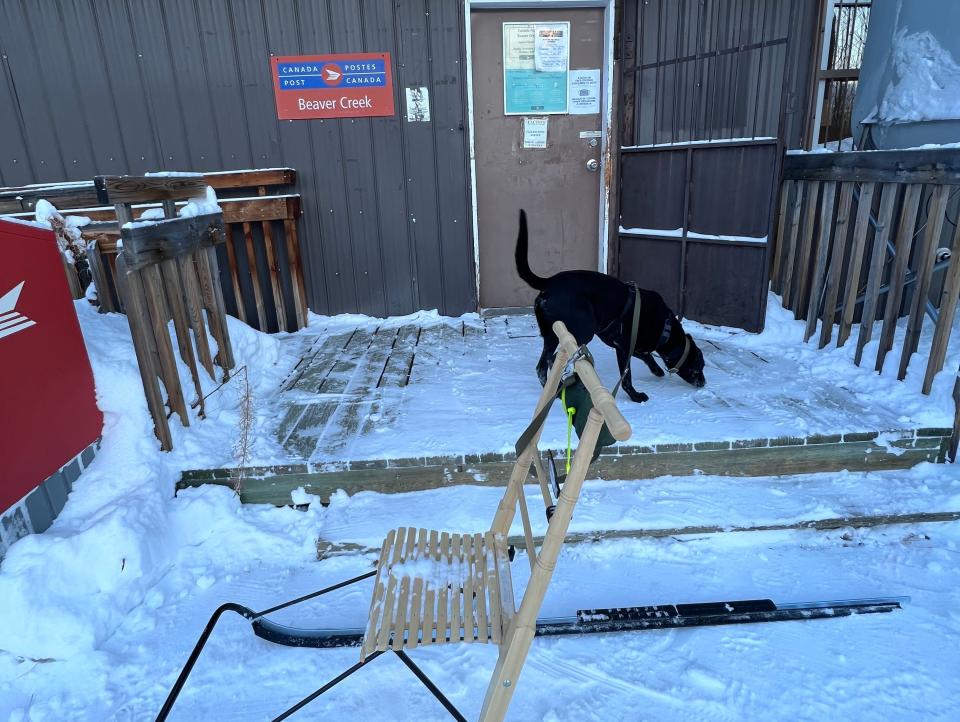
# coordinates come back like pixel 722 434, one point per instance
pixel 686 361
pixel 691 370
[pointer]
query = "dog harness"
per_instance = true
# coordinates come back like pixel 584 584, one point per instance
pixel 664 337
pixel 667 328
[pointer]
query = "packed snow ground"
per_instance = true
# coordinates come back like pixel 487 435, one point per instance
pixel 100 612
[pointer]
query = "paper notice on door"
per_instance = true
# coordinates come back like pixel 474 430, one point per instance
pixel 535 61
pixel 535 133
pixel 552 47
pixel 584 92
pixel 518 46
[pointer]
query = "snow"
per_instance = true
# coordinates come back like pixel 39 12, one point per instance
pixel 847 147
pixel 246 170
pixel 192 208
pixel 691 235
pixel 174 174
pixel 712 141
pixel 100 612
pixel 201 206
pixel 927 85
pixel 69 236
pixel 803 391
pixel 117 535
pixel 662 232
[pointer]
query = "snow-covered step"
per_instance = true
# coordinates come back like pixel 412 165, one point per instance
pixel 852 451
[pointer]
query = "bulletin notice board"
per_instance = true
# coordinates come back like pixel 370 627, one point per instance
pixel 536 63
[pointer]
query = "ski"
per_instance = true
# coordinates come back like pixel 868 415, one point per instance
pixel 623 619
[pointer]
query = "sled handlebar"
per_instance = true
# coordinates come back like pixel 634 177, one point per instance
pixel 602 399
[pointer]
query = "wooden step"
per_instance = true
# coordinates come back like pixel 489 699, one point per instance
pixel 859 451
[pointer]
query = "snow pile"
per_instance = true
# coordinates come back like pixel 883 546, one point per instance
pixel 201 206
pixel 927 85
pixel 67 229
pixel 65 591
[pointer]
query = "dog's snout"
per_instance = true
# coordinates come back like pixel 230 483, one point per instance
pixel 700 382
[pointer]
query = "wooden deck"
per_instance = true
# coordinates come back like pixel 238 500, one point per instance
pixel 406 405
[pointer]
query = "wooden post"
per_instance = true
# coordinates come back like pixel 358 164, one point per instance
pixel 948 306
pixel 925 256
pixel 864 206
pixel 875 272
pixel 254 278
pixel 99 275
pixel 274 270
pixel 157 316
pixel 194 307
pixel 779 258
pixel 790 258
pixel 903 245
pixel 296 270
pixel 132 291
pixel 836 264
pixel 823 248
pixel 234 275
pixel 798 302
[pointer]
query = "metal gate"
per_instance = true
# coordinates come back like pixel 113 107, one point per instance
pixel 710 89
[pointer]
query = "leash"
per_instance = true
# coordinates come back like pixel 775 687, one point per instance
pixel 633 338
pixel 538 420
pixel 571 410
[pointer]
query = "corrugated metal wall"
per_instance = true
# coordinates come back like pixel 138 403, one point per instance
pixel 709 69
pixel 103 87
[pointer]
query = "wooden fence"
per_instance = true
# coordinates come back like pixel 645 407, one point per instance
pixel 859 237
pixel 167 271
pixel 261 268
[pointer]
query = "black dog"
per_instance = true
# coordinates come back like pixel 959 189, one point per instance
pixel 594 304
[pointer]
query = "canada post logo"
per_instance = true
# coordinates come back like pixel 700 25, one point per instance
pixel 341 74
pixel 12 320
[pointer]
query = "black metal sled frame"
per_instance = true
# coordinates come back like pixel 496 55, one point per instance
pixel 269 631
pixel 590 621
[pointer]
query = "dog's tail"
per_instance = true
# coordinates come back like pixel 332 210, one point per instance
pixel 523 267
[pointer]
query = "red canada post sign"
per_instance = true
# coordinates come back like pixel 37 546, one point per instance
pixel 349 85
pixel 48 407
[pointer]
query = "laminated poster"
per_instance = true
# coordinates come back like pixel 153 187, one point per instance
pixel 535 61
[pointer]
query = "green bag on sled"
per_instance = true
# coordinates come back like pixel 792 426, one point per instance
pixel 576 396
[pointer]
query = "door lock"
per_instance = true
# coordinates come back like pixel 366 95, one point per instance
pixel 592 165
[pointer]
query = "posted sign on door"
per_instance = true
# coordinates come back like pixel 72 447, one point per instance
pixel 350 85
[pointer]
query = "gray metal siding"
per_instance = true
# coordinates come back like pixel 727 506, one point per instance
pixel 940 18
pixel 707 69
pixel 96 86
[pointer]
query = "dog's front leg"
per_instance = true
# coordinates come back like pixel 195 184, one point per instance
pixel 543 364
pixel 623 363
pixel 651 364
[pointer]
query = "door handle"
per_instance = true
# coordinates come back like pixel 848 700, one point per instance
pixel 592 165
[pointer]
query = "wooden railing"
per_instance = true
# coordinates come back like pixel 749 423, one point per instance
pixel 859 239
pixel 166 272
pixel 261 268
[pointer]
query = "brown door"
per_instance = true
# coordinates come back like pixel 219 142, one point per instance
pixel 559 185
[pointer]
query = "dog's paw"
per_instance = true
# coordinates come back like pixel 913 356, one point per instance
pixel 638 396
